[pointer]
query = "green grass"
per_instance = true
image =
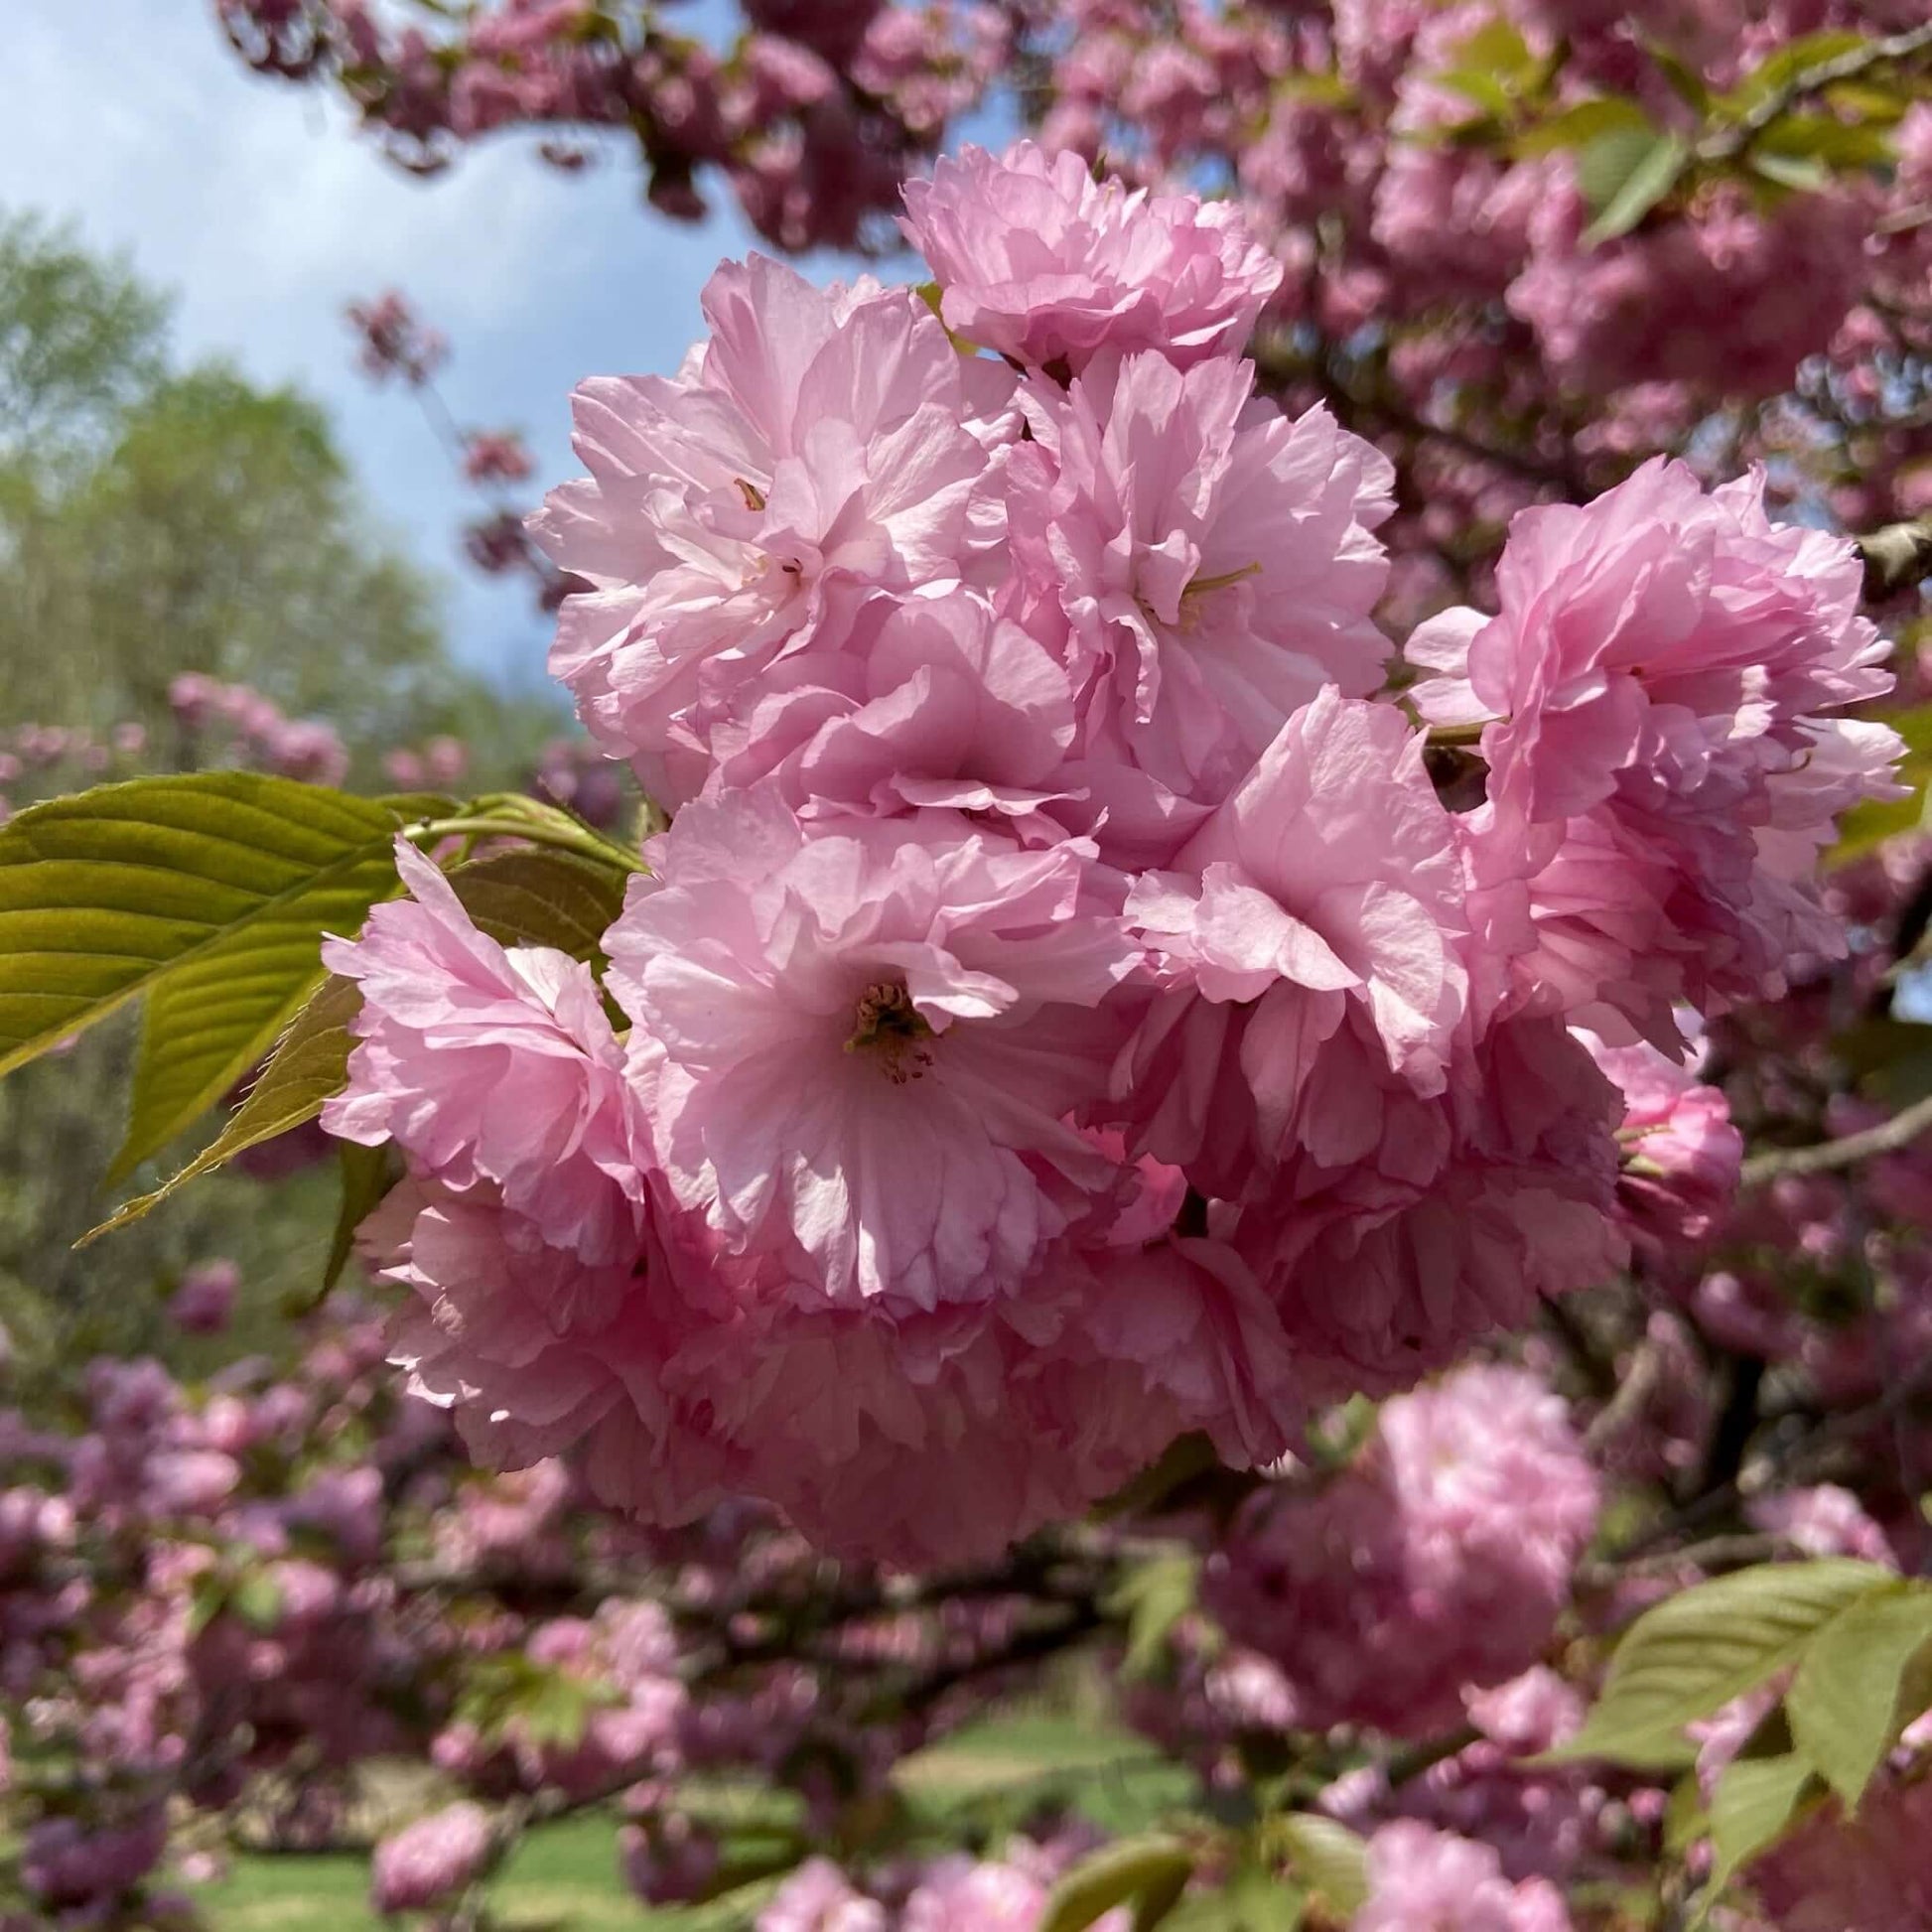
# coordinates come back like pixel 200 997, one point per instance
pixel 562 1878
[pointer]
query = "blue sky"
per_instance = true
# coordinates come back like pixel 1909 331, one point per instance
pixel 264 212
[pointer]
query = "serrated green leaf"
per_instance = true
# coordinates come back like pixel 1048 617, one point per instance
pixel 308 1065
pixel 1328 1859
pixel 542 898
pixel 1586 122
pixel 1692 1653
pixel 1648 174
pixel 1842 1705
pixel 1752 1803
pixel 1147 1873
pixel 539 898
pixel 103 893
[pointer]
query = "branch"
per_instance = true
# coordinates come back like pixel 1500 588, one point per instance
pixel 1897 557
pixel 1827 1157
pixel 1733 141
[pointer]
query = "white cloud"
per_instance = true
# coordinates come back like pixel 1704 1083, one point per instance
pixel 265 211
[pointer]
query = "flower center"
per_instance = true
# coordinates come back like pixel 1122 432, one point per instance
pixel 886 1023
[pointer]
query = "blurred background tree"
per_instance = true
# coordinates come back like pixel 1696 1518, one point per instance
pixel 157 520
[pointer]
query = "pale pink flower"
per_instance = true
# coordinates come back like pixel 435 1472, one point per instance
pixel 819 448
pixel 1681 1154
pixel 1039 261
pixel 1824 1520
pixel 962 1894
pixel 1660 774
pixel 1438 1561
pixel 1211 565
pixel 1423 1881
pixel 203 1303
pixel 857 1047
pixel 426 1864
pixel 488 1064
pixel 817 1897
pixel 1404 1227
pixel 1326 889
pixel 933 701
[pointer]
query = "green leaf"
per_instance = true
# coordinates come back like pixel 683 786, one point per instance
pixel 1682 79
pixel 1842 1705
pixel 1152 1598
pixel 306 1068
pixel 1329 1857
pixel 368 1172
pixel 1625 174
pixel 1782 69
pixel 1473 84
pixel 1826 139
pixel 103 893
pixel 1868 100
pixel 257 1599
pixel 1586 122
pixel 1254 1899
pixel 1005 1757
pixel 1801 173
pixel 538 898
pixel 1147 1873
pixel 542 898
pixel 1498 47
pixel 1750 1810
pixel 1692 1653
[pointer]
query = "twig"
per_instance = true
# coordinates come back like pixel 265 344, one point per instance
pixel 1733 141
pixel 1827 1157
pixel 1632 1396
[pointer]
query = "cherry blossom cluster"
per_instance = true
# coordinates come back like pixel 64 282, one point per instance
pixel 1436 1564
pixel 259 732
pixel 1074 1005
pixel 812 114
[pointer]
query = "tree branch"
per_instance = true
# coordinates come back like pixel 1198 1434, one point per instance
pixel 1734 140
pixel 1827 1157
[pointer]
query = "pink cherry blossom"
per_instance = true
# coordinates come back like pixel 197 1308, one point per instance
pixel 1446 1218
pixel 1324 893
pixel 859 1046
pixel 1440 1558
pixel 1211 565
pixel 933 701
pixel 820 449
pixel 1417 1878
pixel 1661 769
pixel 1682 1155
pixel 818 1899
pixel 489 1064
pixel 1039 261
pixel 426 1864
